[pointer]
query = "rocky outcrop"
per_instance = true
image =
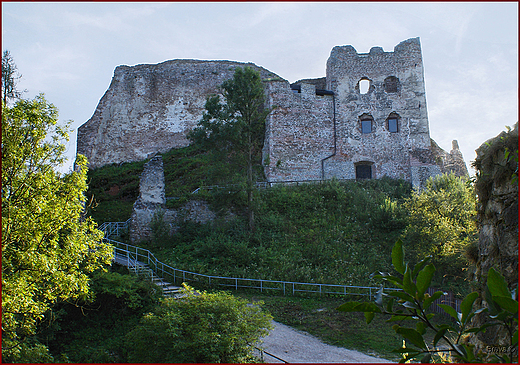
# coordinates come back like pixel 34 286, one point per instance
pixel 450 162
pixel 497 189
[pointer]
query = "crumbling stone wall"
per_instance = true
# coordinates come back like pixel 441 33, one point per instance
pixel 152 203
pixel 497 189
pixel 314 130
pixel 312 136
pixel 150 108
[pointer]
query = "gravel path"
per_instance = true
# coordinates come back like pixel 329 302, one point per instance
pixel 294 346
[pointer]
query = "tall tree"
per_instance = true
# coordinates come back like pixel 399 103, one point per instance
pixel 441 222
pixel 10 77
pixel 235 127
pixel 47 249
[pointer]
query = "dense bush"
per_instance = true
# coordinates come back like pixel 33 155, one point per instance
pixel 201 327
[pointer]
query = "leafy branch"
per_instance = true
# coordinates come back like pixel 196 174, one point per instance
pixel 412 302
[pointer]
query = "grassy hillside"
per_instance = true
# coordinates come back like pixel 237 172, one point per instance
pixel 330 232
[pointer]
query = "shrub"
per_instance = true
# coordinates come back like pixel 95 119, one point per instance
pixel 201 327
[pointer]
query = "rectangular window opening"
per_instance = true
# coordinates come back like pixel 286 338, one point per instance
pixel 366 126
pixel 392 125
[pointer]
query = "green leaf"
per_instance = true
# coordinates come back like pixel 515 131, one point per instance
pixel 428 301
pixel 427 358
pixel 497 284
pixel 398 257
pixel 467 305
pixel 413 336
pixel 397 318
pixel 424 279
pixel 421 327
pixel 390 305
pixel 401 295
pixel 408 284
pixel 439 335
pixel 369 316
pixel 451 311
pixel 507 303
pixel 420 265
pixel 394 280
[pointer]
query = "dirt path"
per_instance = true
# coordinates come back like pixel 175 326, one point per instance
pixel 294 346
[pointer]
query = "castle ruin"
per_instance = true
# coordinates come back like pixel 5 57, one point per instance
pixel 366 119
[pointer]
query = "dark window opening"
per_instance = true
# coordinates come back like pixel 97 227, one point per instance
pixel 366 126
pixel 363 172
pixel 392 125
pixel 391 84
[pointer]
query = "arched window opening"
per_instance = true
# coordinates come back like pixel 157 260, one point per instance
pixel 367 123
pixel 392 123
pixel 364 86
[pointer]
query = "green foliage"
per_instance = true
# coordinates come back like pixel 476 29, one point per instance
pixel 112 191
pixel 413 303
pixel 94 330
pixel 441 223
pixel 10 77
pixel 233 130
pixel 201 327
pixel 328 232
pixel 47 248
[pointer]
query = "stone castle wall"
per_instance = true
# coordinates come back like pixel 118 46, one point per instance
pixel 314 130
pixel 150 108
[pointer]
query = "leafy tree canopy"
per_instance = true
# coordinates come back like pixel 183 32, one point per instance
pixel 47 248
pixel 10 77
pixel 233 129
pixel 442 221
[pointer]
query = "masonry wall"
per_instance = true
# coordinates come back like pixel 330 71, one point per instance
pixel 312 137
pixel 299 132
pixel 151 108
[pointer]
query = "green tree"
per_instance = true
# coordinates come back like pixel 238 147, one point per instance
pixel 234 128
pixel 10 77
pixel 201 327
pixel 442 222
pixel 47 248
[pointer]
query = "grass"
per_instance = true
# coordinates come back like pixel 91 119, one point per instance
pixel 318 317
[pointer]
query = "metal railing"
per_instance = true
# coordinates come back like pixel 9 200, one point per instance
pixel 133 256
pixel 114 228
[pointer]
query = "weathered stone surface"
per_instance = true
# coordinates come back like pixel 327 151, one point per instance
pixel 313 136
pixel 312 133
pixel 498 222
pixel 152 204
pixel 450 162
pixel 150 108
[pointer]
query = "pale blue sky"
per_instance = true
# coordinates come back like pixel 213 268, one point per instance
pixel 470 50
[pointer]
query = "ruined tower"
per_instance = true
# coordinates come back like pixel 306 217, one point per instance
pixel 370 121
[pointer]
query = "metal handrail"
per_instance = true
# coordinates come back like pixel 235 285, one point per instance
pixel 136 256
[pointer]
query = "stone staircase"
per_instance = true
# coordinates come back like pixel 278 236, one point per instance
pixel 142 270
